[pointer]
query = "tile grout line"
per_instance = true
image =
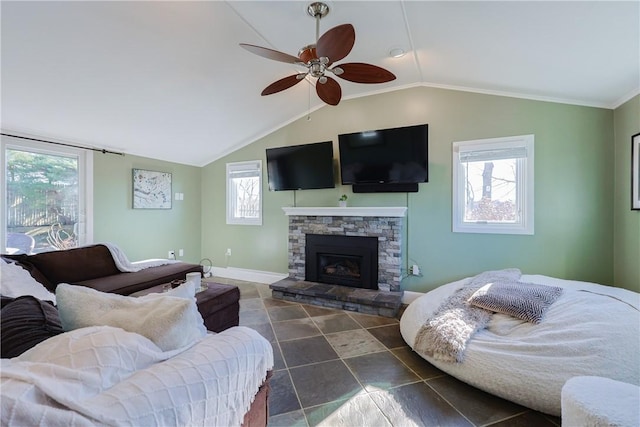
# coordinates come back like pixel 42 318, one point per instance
pixel 449 403
pixel 506 418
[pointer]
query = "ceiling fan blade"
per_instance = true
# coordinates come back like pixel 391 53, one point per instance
pixel 270 53
pixel 359 72
pixel 330 91
pixel 281 85
pixel 336 43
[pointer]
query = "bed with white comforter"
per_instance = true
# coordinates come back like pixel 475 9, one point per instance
pixel 590 330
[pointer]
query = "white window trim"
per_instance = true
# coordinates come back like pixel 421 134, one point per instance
pixel 85 182
pixel 231 219
pixel 525 186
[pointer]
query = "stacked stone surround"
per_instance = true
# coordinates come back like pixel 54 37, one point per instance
pixel 388 230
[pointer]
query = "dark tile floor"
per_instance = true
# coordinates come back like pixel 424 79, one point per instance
pixel 338 368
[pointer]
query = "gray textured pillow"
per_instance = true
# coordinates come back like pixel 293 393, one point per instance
pixel 526 301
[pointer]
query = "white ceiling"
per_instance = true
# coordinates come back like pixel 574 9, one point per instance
pixel 167 80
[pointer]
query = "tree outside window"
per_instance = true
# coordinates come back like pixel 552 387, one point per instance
pixel 42 204
pixel 244 193
pixel 493 185
pixel 491 191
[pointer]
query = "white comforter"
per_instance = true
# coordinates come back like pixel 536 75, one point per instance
pixel 593 333
pixel 106 376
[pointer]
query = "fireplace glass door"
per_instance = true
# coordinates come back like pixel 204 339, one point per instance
pixel 342 260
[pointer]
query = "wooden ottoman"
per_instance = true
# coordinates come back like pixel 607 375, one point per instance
pixel 219 305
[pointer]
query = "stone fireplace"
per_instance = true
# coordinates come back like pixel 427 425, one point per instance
pixel 386 224
pixel 314 273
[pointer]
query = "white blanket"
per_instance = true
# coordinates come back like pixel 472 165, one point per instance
pixel 445 335
pixel 107 376
pixel 123 264
pixel 590 330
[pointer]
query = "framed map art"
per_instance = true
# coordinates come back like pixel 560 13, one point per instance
pixel 151 189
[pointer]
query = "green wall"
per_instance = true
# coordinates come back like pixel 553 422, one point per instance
pixel 626 222
pixel 574 174
pixel 146 233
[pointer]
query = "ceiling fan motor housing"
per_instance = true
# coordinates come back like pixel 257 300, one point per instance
pixel 308 53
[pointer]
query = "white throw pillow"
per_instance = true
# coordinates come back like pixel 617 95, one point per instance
pixel 15 281
pixel 170 321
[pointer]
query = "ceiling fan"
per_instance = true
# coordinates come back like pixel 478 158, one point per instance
pixel 319 59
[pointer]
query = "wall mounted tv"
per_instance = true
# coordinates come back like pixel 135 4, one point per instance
pixel 385 160
pixel 301 167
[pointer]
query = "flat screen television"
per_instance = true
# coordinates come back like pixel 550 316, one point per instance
pixel 385 156
pixel 301 167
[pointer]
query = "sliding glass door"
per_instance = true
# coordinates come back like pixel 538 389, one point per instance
pixel 45 196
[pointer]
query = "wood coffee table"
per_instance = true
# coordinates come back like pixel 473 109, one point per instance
pixel 219 304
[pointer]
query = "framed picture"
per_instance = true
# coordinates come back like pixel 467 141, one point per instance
pixel 635 171
pixel 151 189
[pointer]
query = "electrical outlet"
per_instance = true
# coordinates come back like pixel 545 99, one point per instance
pixel 414 270
pixel 172 254
pixel 228 252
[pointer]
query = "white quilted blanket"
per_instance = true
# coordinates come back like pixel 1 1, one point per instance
pixel 107 376
pixel 590 330
pixel 123 264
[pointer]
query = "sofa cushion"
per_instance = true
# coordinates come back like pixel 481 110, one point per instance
pixel 24 322
pixel 128 283
pixel 74 265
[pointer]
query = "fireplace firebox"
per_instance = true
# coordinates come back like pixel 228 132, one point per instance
pixel 342 260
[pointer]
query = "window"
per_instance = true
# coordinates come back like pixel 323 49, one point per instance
pixel 493 185
pixel 244 193
pixel 46 194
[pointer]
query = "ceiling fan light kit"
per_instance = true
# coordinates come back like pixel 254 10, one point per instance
pixel 319 59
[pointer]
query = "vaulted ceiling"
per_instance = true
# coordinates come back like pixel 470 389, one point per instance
pixel 168 80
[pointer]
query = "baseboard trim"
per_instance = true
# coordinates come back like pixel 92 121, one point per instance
pixel 409 296
pixel 258 276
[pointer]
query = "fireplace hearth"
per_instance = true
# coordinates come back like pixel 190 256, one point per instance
pixel 362 288
pixel 342 260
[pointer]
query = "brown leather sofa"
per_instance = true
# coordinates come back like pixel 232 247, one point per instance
pixel 93 266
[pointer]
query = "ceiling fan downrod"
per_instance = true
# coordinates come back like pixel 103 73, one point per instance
pixel 317 10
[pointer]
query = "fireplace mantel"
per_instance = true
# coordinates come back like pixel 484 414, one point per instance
pixel 385 211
